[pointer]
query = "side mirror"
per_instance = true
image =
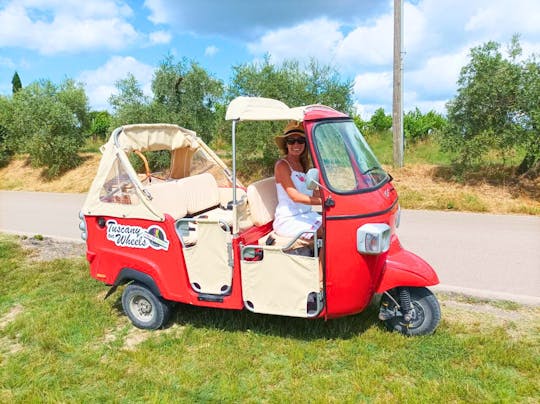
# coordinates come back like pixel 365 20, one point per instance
pixel 312 178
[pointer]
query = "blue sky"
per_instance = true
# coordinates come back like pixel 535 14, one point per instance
pixel 99 42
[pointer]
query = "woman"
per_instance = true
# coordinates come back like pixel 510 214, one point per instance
pixel 293 212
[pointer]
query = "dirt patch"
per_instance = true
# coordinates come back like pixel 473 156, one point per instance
pixel 10 316
pixel 517 322
pixel 135 337
pixel 47 249
pixel 9 346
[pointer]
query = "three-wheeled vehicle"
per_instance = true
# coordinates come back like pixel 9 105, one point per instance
pixel 196 235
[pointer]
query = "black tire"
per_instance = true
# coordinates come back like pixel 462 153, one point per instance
pixel 426 315
pixel 144 309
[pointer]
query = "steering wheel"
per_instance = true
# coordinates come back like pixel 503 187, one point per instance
pixel 147 174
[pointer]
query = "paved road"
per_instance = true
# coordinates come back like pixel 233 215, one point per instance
pixel 492 256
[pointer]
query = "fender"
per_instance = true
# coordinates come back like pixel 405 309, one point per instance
pixel 403 268
pixel 127 274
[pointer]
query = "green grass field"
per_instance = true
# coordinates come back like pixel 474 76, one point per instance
pixel 61 342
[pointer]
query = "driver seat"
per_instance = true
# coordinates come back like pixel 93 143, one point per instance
pixel 263 200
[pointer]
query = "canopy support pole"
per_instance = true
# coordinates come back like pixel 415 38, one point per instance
pixel 234 160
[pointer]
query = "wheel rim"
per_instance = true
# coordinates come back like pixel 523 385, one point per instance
pixel 141 308
pixel 418 316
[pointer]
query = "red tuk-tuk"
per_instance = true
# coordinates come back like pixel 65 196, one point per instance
pixel 196 235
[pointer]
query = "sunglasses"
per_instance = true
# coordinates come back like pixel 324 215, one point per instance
pixel 292 140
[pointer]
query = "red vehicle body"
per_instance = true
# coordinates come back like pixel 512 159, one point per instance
pixel 350 278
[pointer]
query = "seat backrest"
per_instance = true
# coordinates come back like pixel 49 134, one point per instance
pixel 166 198
pixel 201 192
pixel 185 196
pixel 262 199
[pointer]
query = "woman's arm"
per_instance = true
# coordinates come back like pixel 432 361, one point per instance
pixel 282 174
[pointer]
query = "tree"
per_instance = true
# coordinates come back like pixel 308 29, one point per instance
pixel 130 105
pixel 185 94
pixel 530 120
pixel 418 126
pixel 100 124
pixel 16 83
pixel 495 108
pixel 6 150
pixel 380 121
pixel 291 84
pixel 48 121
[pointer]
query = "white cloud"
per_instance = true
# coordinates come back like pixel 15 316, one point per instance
pixel 438 75
pixel 211 50
pixel 504 18
pixel 368 45
pixel 7 62
pixel 248 20
pixel 100 83
pixel 65 26
pixel 373 87
pixel 160 37
pixel 317 39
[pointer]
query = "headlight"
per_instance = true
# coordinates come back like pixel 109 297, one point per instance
pixel 82 226
pixel 373 238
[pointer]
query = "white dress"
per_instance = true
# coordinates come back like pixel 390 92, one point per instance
pixel 292 218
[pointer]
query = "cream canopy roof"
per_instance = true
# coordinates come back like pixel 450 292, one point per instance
pixel 262 109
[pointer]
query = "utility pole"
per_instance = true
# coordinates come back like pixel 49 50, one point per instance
pixel 397 106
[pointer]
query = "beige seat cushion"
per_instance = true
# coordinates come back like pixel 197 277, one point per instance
pixel 262 199
pixel 166 197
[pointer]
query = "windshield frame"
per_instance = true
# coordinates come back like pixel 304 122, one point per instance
pixel 323 170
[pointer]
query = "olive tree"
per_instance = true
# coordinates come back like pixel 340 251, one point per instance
pixel 496 107
pixel 291 83
pixel 48 121
pixel 186 94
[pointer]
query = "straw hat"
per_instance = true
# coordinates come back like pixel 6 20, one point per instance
pixel 292 128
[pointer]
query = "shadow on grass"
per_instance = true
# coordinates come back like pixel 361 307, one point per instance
pixel 495 175
pixel 281 326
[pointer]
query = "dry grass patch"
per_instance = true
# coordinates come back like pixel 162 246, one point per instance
pixel 19 175
pixel 10 316
pixel 424 186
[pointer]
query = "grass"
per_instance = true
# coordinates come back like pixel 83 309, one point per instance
pixel 60 341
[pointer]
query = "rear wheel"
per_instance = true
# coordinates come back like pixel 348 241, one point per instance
pixel 424 314
pixel 144 309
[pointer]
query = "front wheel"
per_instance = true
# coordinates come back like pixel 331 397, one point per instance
pixel 144 309
pixel 422 317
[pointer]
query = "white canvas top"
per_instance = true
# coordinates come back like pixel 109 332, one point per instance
pixel 262 109
pixel 148 137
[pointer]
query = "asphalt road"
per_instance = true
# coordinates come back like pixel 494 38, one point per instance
pixel 491 256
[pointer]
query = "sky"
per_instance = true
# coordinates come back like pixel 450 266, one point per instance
pixel 99 42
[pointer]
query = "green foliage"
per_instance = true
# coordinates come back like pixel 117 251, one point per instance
pixel 363 126
pixel 380 121
pixel 185 94
pixel 291 84
pixel 6 151
pixel 530 120
pixel 48 122
pixel 16 83
pixel 130 105
pixel 495 109
pixel 418 126
pixel 100 124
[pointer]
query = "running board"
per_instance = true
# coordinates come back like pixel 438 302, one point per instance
pixel 210 298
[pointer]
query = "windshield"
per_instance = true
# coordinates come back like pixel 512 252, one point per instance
pixel 347 162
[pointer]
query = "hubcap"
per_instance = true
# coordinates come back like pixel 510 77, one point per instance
pixel 417 316
pixel 141 308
